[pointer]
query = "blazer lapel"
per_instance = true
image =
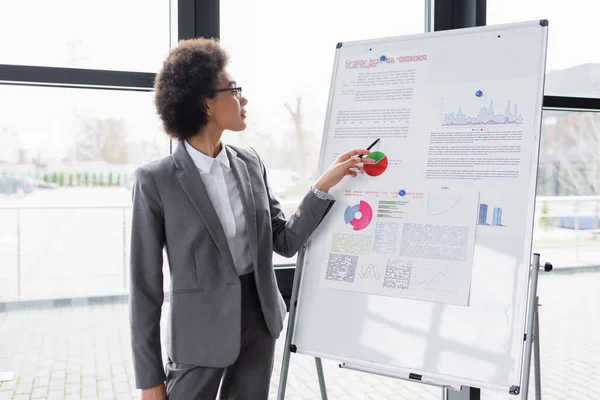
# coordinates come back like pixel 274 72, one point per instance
pixel 192 184
pixel 240 171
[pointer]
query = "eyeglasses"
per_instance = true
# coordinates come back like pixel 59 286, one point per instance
pixel 237 91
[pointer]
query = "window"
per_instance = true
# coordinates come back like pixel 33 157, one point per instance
pixel 569 165
pixel 565 234
pixel 282 54
pixel 67 157
pixel 568 202
pixel 573 62
pixel 66 172
pixel 66 167
pixel 130 35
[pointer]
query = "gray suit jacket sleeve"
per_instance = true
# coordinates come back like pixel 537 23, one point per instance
pixel 291 234
pixel 146 297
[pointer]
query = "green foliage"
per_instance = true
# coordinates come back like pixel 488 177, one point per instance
pixel 545 220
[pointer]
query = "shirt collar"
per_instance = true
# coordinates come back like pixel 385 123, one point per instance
pixel 203 162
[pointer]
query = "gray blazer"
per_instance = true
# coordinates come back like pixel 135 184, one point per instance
pixel 172 210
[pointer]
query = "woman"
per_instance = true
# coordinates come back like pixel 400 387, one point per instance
pixel 211 207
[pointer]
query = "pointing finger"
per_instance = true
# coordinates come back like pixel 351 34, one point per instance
pixel 355 152
pixel 367 160
pixel 364 160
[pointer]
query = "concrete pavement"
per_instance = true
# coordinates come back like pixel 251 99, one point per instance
pixel 83 353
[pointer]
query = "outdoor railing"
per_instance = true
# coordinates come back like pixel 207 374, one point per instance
pixel 50 252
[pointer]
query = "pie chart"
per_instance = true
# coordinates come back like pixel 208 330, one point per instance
pixel 381 164
pixel 358 215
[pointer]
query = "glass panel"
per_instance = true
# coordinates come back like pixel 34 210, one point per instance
pixel 67 158
pixel 566 234
pixel 568 202
pixel 130 35
pixel 573 62
pixel 65 188
pixel 282 54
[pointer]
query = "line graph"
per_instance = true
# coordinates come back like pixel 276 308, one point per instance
pixel 438 206
pixel 370 271
pixel 428 281
pixel 448 205
pixel 439 280
pixel 485 116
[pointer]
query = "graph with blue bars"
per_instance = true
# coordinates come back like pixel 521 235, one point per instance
pixel 483 216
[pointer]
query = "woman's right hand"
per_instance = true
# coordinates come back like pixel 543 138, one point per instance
pixel 158 392
pixel 345 164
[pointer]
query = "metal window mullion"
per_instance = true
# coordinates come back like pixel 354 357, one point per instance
pixel 75 77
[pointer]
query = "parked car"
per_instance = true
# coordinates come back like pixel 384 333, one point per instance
pixel 14 185
pixel 41 184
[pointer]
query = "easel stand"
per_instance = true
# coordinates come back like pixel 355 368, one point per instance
pixel 288 348
pixel 532 341
pixel 533 326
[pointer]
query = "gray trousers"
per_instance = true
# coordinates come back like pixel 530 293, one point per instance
pixel 248 378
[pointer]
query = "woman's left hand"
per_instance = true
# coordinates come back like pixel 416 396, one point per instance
pixel 345 164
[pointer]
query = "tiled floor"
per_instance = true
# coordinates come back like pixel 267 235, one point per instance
pixel 83 353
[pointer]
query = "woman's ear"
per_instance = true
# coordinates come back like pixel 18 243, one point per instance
pixel 207 107
pixel 208 104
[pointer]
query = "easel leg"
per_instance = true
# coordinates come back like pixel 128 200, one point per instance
pixel 536 350
pixel 537 368
pixel 530 338
pixel 321 377
pixel 285 367
pixel 287 349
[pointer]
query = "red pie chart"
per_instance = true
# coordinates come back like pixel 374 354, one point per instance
pixel 381 164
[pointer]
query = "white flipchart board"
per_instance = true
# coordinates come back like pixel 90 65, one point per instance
pixel 455 110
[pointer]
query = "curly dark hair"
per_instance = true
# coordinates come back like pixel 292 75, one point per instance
pixel 189 76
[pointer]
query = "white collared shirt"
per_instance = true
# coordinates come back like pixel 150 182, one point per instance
pixel 225 196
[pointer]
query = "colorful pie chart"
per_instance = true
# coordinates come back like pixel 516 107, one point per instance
pixel 381 164
pixel 358 215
